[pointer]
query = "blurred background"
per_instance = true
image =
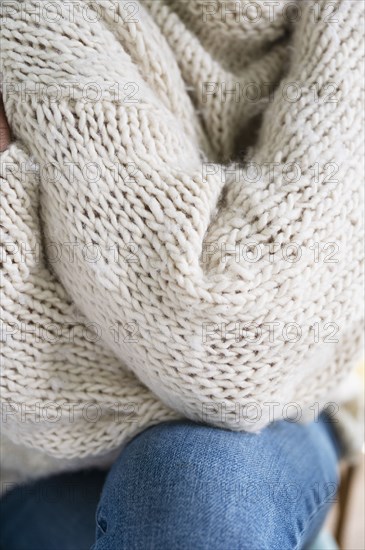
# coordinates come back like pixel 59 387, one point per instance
pixel 346 522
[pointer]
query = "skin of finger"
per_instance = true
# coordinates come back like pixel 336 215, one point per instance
pixel 4 128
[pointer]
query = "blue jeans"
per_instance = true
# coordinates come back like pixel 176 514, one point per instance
pixel 181 485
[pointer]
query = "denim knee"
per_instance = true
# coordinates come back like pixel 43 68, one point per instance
pixel 187 485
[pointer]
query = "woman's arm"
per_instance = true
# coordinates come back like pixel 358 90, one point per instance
pixel 147 227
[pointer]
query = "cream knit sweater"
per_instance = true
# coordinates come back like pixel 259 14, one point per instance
pixel 181 218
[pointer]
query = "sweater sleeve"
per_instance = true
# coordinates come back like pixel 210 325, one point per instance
pixel 55 397
pixel 241 314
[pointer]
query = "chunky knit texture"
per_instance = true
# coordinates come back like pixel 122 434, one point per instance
pixel 156 189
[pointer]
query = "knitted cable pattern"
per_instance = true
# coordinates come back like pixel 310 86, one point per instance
pixel 145 219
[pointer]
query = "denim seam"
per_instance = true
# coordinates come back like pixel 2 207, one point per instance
pixel 308 523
